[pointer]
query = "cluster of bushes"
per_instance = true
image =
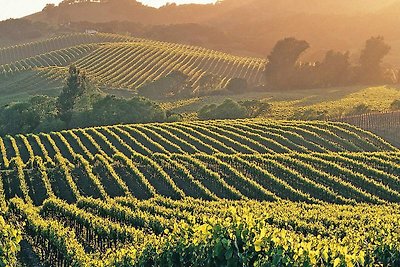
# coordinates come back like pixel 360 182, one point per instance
pixel 110 110
pixel 231 109
pixel 174 85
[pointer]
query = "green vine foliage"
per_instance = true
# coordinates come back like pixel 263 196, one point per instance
pixel 9 243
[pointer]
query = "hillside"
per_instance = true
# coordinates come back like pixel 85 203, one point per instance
pixel 228 136
pixel 124 66
pixel 132 10
pixel 172 160
pixel 119 62
pixel 341 25
pixel 311 178
pixel 136 64
pixel 28 50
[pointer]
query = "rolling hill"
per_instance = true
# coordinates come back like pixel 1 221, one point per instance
pixel 132 10
pixel 258 25
pixel 28 50
pixel 132 65
pixel 253 159
pixel 115 61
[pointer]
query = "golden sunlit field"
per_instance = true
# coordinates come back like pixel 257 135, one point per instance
pixel 336 101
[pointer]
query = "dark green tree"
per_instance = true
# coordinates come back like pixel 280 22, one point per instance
pixel 209 84
pixel 28 116
pixel 371 60
pixel 282 62
pixel 75 87
pixel 111 110
pixel 360 109
pixel 335 69
pixel 176 84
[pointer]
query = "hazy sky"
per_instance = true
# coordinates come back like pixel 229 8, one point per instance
pixel 19 8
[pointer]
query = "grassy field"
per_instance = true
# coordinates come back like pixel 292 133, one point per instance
pixel 24 85
pixel 336 101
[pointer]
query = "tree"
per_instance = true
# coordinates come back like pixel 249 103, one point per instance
pixel 310 114
pixel 27 116
pixel 371 60
pixel 75 87
pixel 335 69
pixel 282 61
pixel 229 109
pixel 209 84
pixel 111 110
pixel 18 118
pixel 49 7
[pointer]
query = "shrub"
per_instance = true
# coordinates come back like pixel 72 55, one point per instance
pixel 229 109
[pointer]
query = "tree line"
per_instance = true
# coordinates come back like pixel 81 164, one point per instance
pixel 284 70
pixel 80 104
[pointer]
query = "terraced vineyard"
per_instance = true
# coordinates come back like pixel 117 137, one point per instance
pixel 132 65
pixel 122 62
pixel 56 58
pixel 200 193
pixel 250 159
pixel 210 137
pixel 225 192
pixel 311 178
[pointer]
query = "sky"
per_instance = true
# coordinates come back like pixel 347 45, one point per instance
pixel 20 8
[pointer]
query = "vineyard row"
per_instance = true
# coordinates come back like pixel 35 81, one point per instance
pixel 210 137
pixel 343 178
